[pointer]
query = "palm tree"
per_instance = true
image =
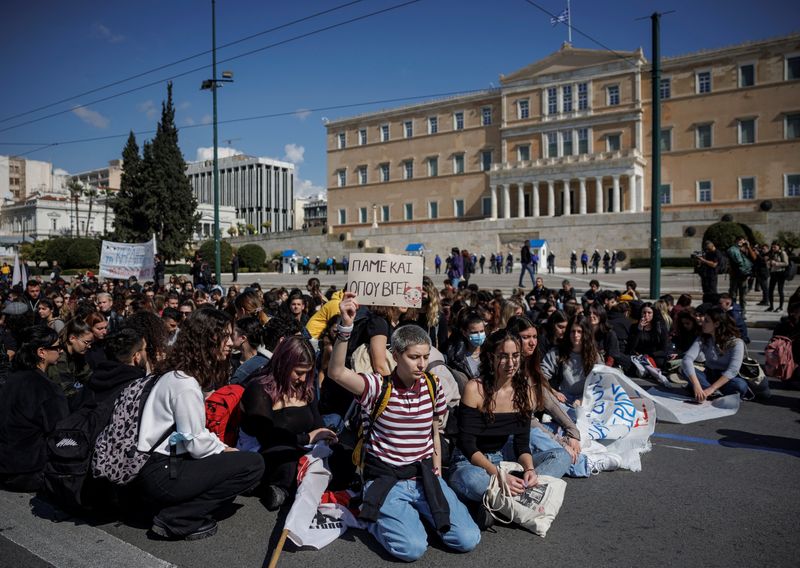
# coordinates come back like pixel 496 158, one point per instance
pixel 92 194
pixel 75 189
pixel 107 193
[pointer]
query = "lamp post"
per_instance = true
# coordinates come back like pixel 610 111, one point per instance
pixel 213 84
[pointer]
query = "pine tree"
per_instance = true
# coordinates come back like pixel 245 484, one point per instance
pixel 130 189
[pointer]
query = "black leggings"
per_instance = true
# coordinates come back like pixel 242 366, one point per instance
pixel 776 279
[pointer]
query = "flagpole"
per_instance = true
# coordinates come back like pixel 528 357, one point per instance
pixel 569 24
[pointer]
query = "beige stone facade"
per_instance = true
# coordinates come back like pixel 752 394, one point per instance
pixel 570 135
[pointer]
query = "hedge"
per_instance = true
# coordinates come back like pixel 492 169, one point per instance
pixel 725 233
pixel 252 257
pixel 57 249
pixel 83 252
pixel 225 253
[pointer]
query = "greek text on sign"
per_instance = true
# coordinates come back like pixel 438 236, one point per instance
pixel 386 279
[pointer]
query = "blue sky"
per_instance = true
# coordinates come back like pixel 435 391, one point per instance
pixel 55 49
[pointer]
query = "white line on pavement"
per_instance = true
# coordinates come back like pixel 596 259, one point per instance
pixel 676 447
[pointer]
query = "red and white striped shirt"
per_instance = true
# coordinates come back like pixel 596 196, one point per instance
pixel 402 433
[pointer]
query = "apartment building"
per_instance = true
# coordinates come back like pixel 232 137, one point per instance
pixel 570 135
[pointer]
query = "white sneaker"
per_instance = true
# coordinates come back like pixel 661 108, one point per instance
pixel 605 462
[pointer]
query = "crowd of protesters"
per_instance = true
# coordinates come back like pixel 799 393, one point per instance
pixel 307 359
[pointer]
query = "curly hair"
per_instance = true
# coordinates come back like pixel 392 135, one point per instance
pixel 522 392
pixel 589 353
pixel 292 352
pixel 154 330
pixel 197 347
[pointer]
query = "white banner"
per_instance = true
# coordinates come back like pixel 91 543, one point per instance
pixel 123 260
pixel 386 279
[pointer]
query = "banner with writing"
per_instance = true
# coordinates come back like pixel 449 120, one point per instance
pixel 123 260
pixel 386 279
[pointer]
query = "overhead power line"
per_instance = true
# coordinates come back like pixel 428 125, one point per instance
pixel 179 61
pixel 203 67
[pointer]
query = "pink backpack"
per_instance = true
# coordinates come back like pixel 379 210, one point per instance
pixel 779 361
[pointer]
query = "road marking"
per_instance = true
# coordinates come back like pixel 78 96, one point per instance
pixel 726 444
pixel 64 541
pixel 676 447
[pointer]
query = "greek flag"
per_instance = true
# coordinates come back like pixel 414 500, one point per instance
pixel 562 18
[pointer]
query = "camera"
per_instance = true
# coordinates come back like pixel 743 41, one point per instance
pixel 697 253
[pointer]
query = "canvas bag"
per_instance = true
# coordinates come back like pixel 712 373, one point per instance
pixel 535 509
pixel 363 364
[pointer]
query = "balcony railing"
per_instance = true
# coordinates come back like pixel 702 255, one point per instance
pixel 566 160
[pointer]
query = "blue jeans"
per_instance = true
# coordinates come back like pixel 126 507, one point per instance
pixel 399 527
pixel 529 269
pixel 470 481
pixel 554 462
pixel 542 441
pixel 736 385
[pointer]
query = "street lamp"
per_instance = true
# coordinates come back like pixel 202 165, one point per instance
pixel 213 84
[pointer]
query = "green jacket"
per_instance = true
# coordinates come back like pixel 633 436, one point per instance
pixel 740 264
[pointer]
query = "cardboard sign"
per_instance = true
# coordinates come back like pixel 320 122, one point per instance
pixel 386 279
pixel 123 260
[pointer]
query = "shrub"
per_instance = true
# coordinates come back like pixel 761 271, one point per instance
pixel 83 253
pixel 252 257
pixel 724 234
pixel 57 249
pixel 225 254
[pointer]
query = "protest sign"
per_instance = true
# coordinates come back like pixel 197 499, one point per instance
pixel 123 260
pixel 386 279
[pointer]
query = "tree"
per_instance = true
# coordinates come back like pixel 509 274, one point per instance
pixel 206 250
pixel 92 194
pixel 75 189
pixel 126 205
pixel 36 251
pixel 789 240
pixel 725 233
pixel 108 194
pixel 252 256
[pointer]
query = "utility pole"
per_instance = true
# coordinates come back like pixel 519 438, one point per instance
pixel 655 166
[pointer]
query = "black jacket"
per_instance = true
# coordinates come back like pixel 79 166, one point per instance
pixel 456 356
pixel 110 377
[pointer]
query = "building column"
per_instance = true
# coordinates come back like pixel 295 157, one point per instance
pixel 493 190
pixel 582 196
pixel 632 198
pixel 521 200
pixel 598 195
pixel 640 193
pixel 615 195
pixel 567 199
pixel 535 199
pixel 551 198
pixel 506 202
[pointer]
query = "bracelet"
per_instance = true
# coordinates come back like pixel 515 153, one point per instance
pixel 527 470
pixel 345 328
pixel 345 337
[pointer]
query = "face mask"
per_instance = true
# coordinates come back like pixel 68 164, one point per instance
pixel 477 339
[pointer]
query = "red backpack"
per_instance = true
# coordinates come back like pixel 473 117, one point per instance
pixel 779 361
pixel 223 413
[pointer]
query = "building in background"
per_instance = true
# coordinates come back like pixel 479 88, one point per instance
pixel 261 190
pixel 315 212
pixel 299 212
pixel 109 177
pixel 21 179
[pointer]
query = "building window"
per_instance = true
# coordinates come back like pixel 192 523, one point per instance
pixel 362 175
pixel 747 188
pixel 747 75
pixel 523 111
pixel 552 100
pixel 458 120
pixel 793 68
pixel 566 142
pixel 433 124
pixel 341 141
pixel 433 209
pixel 384 132
pixel 552 144
pixel 583 141
pixel 566 98
pixel 747 131
pixel 408 211
pixel 458 207
pixel 408 129
pixel 362 214
pixel 666 194
pixel 384 172
pixel 524 153
pixel 703 80
pixel 613 142
pixel 792 126
pixel 362 136
pixel 486 160
pixel 613 95
pixel 342 178
pixel 486 116
pixel 342 216
pixel 665 89
pixel 583 96
pixel 384 213
pixel 408 169
pixel 433 167
pixel 458 164
pixel 704 191
pixel 703 136
pixel 792 185
pixel 486 206
pixel 666 140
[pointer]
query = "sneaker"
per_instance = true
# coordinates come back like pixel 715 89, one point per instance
pixel 762 303
pixel 749 395
pixel 275 497
pixel 769 309
pixel 607 461
pixel 207 529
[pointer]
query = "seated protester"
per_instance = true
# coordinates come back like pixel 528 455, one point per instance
pixel 510 309
pixel 277 329
pixel 99 326
pixel 247 338
pixel 16 318
pixel 126 360
pixel 789 326
pixel 402 467
pixel 619 323
pixel 723 350
pixel 650 336
pixel 498 405
pixel 567 366
pixel 606 339
pixel 172 319
pixel 591 294
pixel 539 291
pixel 734 310
pixel 208 474
pixel 464 349
pixel 250 303
pixel 281 418
pixel 554 330
pixel 334 400
pixel 155 334
pixel 431 316
pixel 687 329
pixel 630 290
pixel 684 302
pixel 70 371
pixel 317 322
pixel 295 307
pixel 29 409
pixel 381 323
pixel 47 315
pixel 566 293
